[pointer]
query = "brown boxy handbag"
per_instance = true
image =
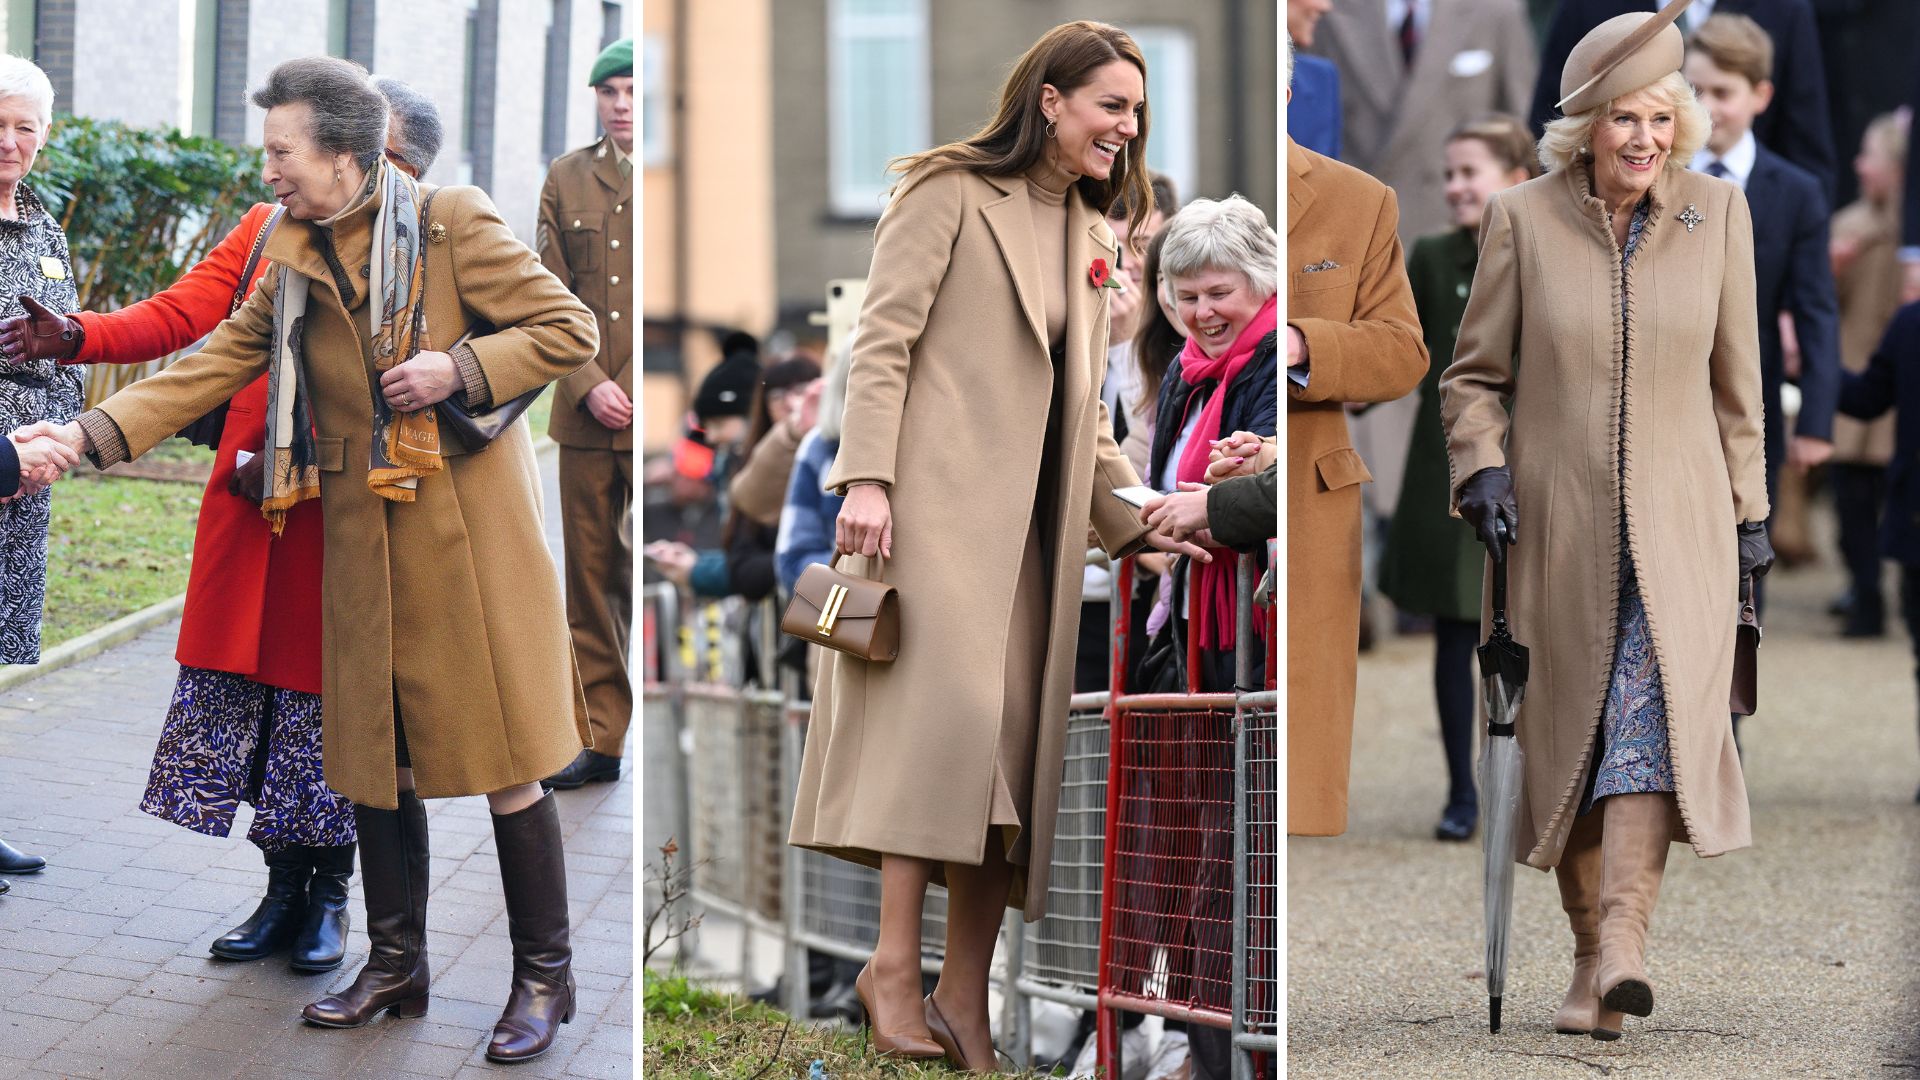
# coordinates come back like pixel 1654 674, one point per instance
pixel 1744 697
pixel 845 613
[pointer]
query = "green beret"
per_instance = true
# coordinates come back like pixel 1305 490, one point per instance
pixel 616 59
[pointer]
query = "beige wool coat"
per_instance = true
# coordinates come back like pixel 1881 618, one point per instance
pixel 1363 344
pixel 947 404
pixel 451 603
pixel 1543 329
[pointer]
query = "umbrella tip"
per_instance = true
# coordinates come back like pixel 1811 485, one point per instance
pixel 1493 1015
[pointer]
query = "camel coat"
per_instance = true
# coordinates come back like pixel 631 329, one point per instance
pixel 450 604
pixel 1363 344
pixel 947 405
pixel 1548 292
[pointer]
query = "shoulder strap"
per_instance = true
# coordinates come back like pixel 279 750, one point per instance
pixel 253 258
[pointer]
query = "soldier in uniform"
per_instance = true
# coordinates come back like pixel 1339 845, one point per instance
pixel 586 238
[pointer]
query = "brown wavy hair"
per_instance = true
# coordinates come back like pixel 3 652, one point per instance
pixel 1015 140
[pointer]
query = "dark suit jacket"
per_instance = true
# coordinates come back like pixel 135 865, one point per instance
pixel 1313 116
pixel 1892 381
pixel 1792 273
pixel 1244 512
pixel 1798 125
pixel 9 467
pixel 1910 209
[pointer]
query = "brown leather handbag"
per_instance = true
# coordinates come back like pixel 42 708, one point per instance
pixel 845 613
pixel 1745 695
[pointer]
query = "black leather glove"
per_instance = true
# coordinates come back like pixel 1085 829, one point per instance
pixel 1487 497
pixel 1756 551
pixel 39 334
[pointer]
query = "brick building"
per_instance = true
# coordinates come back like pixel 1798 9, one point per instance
pixel 509 76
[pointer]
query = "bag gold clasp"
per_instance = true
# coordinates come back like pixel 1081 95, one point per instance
pixel 830 612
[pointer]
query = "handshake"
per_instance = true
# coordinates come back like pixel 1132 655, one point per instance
pixel 42 453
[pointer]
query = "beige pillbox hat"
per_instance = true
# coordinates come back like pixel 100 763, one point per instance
pixel 1622 55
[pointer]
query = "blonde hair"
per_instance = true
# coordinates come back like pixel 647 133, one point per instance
pixel 1892 131
pixel 1570 138
pixel 1736 45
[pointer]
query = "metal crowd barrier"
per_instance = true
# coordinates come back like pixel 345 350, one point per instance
pixel 1191 859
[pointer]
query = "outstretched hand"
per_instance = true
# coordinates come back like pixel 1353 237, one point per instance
pixel 43 459
pixel 40 334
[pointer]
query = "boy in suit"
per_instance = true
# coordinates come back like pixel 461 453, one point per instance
pixel 1728 61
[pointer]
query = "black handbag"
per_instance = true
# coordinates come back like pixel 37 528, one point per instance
pixel 207 430
pixel 1163 665
pixel 476 428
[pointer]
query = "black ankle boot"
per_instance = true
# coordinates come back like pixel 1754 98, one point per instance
pixel 15 861
pixel 278 918
pixel 322 941
pixel 393 864
pixel 533 873
pixel 588 767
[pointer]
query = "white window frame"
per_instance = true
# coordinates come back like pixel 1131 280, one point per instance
pixel 862 196
pixel 656 104
pixel 1173 94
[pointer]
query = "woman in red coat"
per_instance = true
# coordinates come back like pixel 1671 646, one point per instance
pixel 244 725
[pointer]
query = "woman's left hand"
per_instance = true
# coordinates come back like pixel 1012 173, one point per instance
pixel 1756 552
pixel 420 383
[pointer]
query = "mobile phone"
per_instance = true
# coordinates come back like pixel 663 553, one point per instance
pixel 1137 496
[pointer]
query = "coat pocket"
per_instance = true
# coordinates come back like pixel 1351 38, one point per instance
pixel 582 232
pixel 1322 280
pixel 330 454
pixel 1342 467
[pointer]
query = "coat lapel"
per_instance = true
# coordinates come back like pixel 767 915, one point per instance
pixel 606 169
pixel 1422 102
pixel 1086 241
pixel 1299 191
pixel 1363 25
pixel 1011 223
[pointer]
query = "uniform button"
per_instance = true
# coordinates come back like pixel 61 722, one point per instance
pixel 576 223
pixel 615 243
pixel 617 207
pixel 614 315
pixel 614 280
pixel 366 272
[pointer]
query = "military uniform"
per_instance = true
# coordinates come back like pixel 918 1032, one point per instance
pixel 586 238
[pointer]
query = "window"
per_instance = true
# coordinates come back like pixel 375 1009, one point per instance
pixel 23 24
pixel 1171 96
pixel 656 93
pixel 206 53
pixel 878 69
pixel 609 23
pixel 337 28
pixel 553 121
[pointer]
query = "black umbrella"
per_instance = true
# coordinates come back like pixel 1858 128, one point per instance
pixel 1503 673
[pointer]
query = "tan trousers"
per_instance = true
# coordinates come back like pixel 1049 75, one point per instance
pixel 596 524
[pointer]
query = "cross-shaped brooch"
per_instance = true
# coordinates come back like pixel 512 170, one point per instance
pixel 1691 217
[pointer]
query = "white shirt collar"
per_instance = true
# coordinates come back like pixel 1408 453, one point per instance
pixel 1422 14
pixel 1739 160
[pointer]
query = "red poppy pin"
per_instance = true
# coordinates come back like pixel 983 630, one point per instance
pixel 1102 276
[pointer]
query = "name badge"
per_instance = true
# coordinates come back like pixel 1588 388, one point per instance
pixel 51 267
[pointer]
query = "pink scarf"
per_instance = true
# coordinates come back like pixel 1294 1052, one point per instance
pixel 1213 585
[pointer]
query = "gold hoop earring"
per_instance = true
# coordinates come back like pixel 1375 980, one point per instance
pixel 1052 128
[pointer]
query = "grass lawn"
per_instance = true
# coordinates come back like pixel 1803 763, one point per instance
pixel 117 545
pixel 696 1034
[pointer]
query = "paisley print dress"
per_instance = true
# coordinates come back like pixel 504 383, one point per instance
pixel 1633 731
pixel 33 262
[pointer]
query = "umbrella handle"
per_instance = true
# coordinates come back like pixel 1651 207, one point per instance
pixel 1498 551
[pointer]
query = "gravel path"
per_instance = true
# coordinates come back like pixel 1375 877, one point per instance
pixel 1795 958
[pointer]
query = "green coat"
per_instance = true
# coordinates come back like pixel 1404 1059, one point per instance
pixel 1433 563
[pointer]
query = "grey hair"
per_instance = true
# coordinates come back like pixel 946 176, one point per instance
pixel 1289 37
pixel 418 120
pixel 22 78
pixel 349 116
pixel 1570 138
pixel 833 396
pixel 1229 234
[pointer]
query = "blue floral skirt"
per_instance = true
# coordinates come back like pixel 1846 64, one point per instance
pixel 1634 755
pixel 229 740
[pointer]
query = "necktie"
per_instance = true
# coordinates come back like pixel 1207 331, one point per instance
pixel 1717 168
pixel 1409 36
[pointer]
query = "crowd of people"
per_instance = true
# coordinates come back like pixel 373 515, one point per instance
pixel 369 342
pixel 1646 337
pixel 962 444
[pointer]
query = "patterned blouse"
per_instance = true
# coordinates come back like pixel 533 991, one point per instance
pixel 33 262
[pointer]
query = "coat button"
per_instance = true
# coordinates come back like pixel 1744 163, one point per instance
pixel 615 244
pixel 576 223
pixel 614 280
pixel 366 272
pixel 614 315
pixel 617 207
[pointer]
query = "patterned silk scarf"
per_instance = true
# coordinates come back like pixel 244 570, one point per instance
pixel 406 446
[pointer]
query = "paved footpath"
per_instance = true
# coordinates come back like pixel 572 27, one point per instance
pixel 104 971
pixel 1794 958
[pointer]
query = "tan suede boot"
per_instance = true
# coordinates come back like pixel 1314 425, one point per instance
pixel 1578 873
pixel 1638 828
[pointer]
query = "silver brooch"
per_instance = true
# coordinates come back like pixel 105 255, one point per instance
pixel 1691 217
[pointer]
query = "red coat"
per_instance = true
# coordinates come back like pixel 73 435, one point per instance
pixel 241 573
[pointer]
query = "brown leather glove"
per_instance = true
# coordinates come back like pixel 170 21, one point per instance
pixel 40 335
pixel 247 479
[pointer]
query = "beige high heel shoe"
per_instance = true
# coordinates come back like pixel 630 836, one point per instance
pixel 906 1044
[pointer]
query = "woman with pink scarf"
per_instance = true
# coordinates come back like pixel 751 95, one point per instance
pixel 1221 263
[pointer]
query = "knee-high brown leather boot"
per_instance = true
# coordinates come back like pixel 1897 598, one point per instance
pixel 393 868
pixel 1578 873
pixel 533 873
pixel 1633 847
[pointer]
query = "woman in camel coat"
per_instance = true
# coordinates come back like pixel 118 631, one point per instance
pixel 1613 307
pixel 446 668
pixel 974 454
